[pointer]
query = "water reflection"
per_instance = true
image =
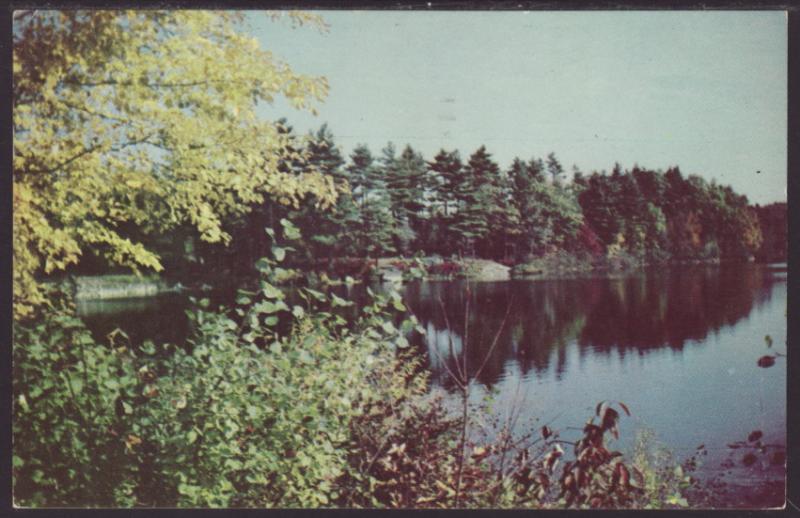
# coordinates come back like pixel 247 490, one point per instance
pixel 161 319
pixel 633 314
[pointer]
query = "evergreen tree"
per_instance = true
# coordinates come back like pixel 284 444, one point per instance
pixel 402 235
pixel 327 232
pixel 448 173
pixel 549 216
pixel 504 219
pixel 406 181
pixel 554 168
pixel 476 201
pixel 599 205
pixel 375 226
pixel 447 168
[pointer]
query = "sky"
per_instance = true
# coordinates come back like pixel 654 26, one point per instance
pixel 706 91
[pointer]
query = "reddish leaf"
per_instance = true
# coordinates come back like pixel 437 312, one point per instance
pixel 779 457
pixel 766 361
pixel 624 407
pixel 624 474
pixel 609 418
pixel 755 435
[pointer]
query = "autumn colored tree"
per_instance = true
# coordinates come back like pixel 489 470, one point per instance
pixel 145 120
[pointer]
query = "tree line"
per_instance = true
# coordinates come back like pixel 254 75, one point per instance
pixel 397 202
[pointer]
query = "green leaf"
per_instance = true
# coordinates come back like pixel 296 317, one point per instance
pixel 233 464
pixel 298 312
pixel 148 347
pixel 290 231
pixel 316 294
pixel 270 307
pixel 270 291
pixel 127 407
pixel 271 320
pixel 263 265
pixel 278 252
pixel 388 327
pixel 340 302
pixel 188 490
pixel 191 436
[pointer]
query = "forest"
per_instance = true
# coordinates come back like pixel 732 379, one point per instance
pixel 398 204
pixel 139 148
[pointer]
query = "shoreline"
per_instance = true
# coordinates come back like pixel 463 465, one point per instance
pixel 397 269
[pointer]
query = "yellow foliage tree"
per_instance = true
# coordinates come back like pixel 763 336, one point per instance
pixel 146 119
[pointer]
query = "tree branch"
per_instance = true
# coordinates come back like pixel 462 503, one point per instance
pixel 92 149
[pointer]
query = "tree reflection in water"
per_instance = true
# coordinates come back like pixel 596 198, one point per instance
pixel 622 315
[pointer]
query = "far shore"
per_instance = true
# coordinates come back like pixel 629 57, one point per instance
pixel 392 269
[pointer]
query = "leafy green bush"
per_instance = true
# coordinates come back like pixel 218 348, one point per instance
pixel 238 416
pixel 71 414
pixel 222 422
pixel 665 481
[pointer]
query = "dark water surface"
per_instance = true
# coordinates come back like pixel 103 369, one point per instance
pixel 679 346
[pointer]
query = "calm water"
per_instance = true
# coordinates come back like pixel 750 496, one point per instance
pixel 678 346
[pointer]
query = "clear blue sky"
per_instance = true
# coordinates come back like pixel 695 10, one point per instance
pixel 702 90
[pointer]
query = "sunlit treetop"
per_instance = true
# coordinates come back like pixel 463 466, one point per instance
pixel 143 119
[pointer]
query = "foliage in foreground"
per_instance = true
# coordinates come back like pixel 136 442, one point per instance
pixel 241 416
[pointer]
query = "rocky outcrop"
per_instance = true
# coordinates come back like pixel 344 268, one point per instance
pixel 393 269
pixel 485 270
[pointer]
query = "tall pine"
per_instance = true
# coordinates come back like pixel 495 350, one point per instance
pixel 374 230
pixel 328 232
pixel 405 177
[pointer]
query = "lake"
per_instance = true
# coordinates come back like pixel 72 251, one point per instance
pixel 679 346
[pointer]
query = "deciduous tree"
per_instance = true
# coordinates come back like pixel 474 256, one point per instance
pixel 142 119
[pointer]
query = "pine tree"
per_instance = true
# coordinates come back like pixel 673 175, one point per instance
pixel 375 226
pixel 446 174
pixel 549 216
pixel 406 178
pixel 554 168
pixel 447 169
pixel 475 200
pixel 328 232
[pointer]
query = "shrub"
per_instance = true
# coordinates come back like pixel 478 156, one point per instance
pixel 71 440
